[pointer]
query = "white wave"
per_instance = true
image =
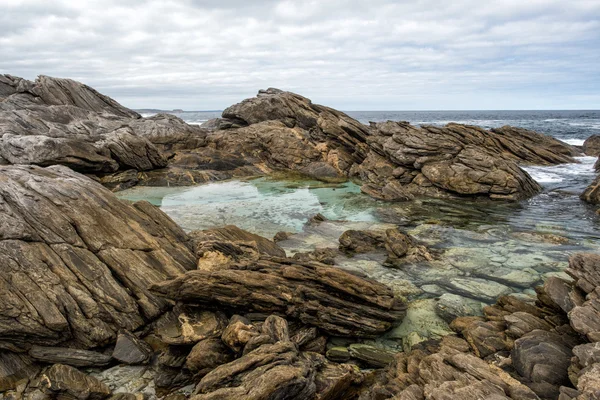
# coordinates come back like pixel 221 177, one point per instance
pixel 146 115
pixel 197 122
pixel 572 142
pixel 559 173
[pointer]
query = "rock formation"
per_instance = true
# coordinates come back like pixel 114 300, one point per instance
pixel 59 121
pixel 394 160
pixel 78 265
pixel 517 350
pixel 591 146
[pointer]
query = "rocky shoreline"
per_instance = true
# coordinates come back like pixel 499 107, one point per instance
pixel 103 299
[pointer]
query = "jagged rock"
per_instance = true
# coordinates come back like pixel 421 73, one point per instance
pixel 585 268
pixel 272 371
pixel 542 357
pixel 521 323
pixel 353 241
pixel 129 349
pixel 484 337
pixel 238 333
pixel 444 371
pixel 206 355
pixel 72 357
pixel 587 354
pixel 67 382
pixel 563 294
pixel 592 192
pixel 591 146
pixel 370 355
pixel 76 262
pixel 217 248
pixel 188 325
pixel 60 121
pixel 15 368
pixel 399 246
pixel 332 299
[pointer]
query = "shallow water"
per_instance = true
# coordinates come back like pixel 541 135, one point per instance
pixel 484 249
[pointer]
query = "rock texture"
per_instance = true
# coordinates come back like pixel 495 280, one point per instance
pixel 394 160
pixel 332 299
pixel 60 121
pixel 591 146
pixel 516 350
pixel 592 192
pixel 77 262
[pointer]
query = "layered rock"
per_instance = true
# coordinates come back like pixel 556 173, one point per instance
pixel 591 146
pixel 59 121
pixel 394 160
pixel 517 350
pixel 334 300
pixel 77 262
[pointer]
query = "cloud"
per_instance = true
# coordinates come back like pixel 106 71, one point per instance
pixel 381 54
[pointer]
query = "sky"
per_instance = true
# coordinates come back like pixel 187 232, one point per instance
pixel 350 55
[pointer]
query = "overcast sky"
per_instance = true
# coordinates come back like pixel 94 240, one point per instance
pixel 352 55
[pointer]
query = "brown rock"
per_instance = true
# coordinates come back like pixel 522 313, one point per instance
pixel 76 262
pixel 67 382
pixel 332 299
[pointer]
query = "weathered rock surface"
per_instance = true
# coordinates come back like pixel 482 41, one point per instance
pixel 76 262
pixel 72 357
pixel 332 299
pixel 516 350
pixel 67 382
pixel 591 146
pixel 129 349
pixel 59 121
pixel 399 246
pixel 592 193
pixel 395 161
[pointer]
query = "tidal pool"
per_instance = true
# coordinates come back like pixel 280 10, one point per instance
pixel 484 248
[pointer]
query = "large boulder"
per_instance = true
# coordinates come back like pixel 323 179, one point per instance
pixel 77 262
pixel 332 299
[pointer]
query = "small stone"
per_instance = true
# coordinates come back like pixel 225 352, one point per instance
pixel 131 350
pixel 371 355
pixel 338 354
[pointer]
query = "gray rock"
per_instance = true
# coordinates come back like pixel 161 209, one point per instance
pixel 72 357
pixel 542 357
pixel 76 262
pixel 370 355
pixel 450 306
pixel 129 349
pixel 67 382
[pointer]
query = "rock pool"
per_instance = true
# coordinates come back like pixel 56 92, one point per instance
pixel 486 249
